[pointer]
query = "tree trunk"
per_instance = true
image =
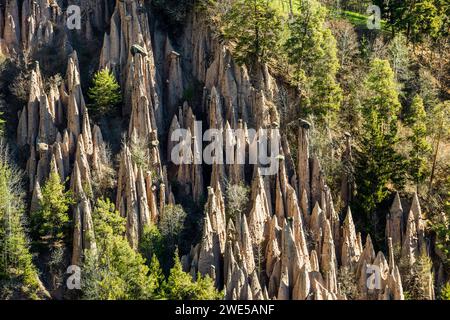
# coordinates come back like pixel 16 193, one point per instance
pixel 433 169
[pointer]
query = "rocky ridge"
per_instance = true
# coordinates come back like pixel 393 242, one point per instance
pixel 292 243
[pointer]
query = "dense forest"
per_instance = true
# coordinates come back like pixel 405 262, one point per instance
pixel 94 206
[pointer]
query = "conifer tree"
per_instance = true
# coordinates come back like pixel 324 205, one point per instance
pixel 151 243
pixel 104 93
pixel 18 275
pixel 420 148
pixel 52 218
pixel 312 51
pixel 418 19
pixel 116 271
pixel 254 27
pixel 378 164
pixel 181 286
pixel 157 279
pixel 421 19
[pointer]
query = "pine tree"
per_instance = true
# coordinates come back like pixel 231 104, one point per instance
pixel 107 221
pixel 422 19
pixel 157 280
pixel 420 147
pixel 181 286
pixel 312 51
pixel 254 27
pixel 116 271
pixel 205 289
pixel 326 92
pixel 416 18
pixel 18 275
pixel 52 219
pixel 151 243
pixel 378 164
pixel 104 93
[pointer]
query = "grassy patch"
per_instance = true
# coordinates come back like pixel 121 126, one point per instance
pixel 358 19
pixel 355 18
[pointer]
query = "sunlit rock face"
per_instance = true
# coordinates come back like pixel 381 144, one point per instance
pixel 290 244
